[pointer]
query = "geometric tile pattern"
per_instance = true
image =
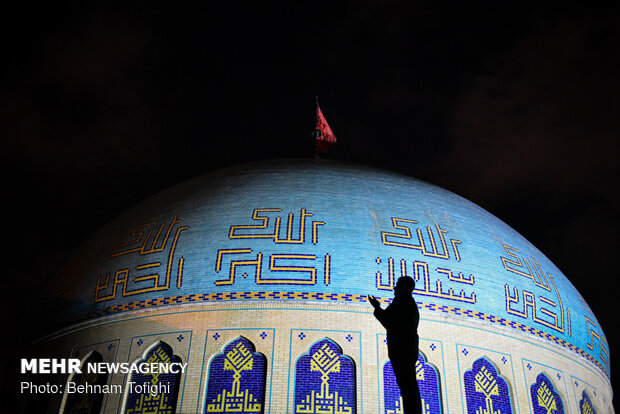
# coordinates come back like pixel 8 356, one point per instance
pixel 237 379
pixel 486 391
pixel 154 393
pixel 325 380
pixel 585 405
pixel 545 399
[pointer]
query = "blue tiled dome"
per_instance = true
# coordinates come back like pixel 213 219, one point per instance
pixel 305 230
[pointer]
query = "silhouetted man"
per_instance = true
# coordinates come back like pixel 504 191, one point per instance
pixel 401 319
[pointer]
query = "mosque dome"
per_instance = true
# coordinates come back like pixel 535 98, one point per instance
pixel 271 263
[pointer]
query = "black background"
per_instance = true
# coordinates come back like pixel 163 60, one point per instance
pixel 513 105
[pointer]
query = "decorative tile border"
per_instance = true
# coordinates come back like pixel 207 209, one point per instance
pixel 338 297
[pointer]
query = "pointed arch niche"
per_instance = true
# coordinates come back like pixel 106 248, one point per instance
pixel 236 379
pixel 485 389
pixel 428 383
pixel 140 398
pixel 585 405
pixel 325 380
pixel 85 403
pixel 545 398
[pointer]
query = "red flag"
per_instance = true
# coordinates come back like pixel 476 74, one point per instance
pixel 325 138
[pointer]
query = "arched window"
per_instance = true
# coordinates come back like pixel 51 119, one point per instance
pixel 237 379
pixel 86 402
pixel 486 390
pixel 154 392
pixel 545 399
pixel 428 383
pixel 325 380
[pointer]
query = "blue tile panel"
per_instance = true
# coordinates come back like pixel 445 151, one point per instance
pixel 154 393
pixel 325 380
pixel 428 383
pixel 87 402
pixel 545 398
pixel 237 379
pixel 585 405
pixel 486 391
pixel 324 231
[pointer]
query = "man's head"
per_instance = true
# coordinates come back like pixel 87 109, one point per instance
pixel 404 286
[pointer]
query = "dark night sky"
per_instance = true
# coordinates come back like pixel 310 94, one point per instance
pixel 513 105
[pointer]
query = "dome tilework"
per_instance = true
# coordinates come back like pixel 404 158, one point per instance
pixel 326 233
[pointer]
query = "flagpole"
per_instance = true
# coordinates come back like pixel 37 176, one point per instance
pixel 316 128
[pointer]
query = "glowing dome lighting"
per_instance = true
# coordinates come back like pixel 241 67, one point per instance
pixel 274 260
